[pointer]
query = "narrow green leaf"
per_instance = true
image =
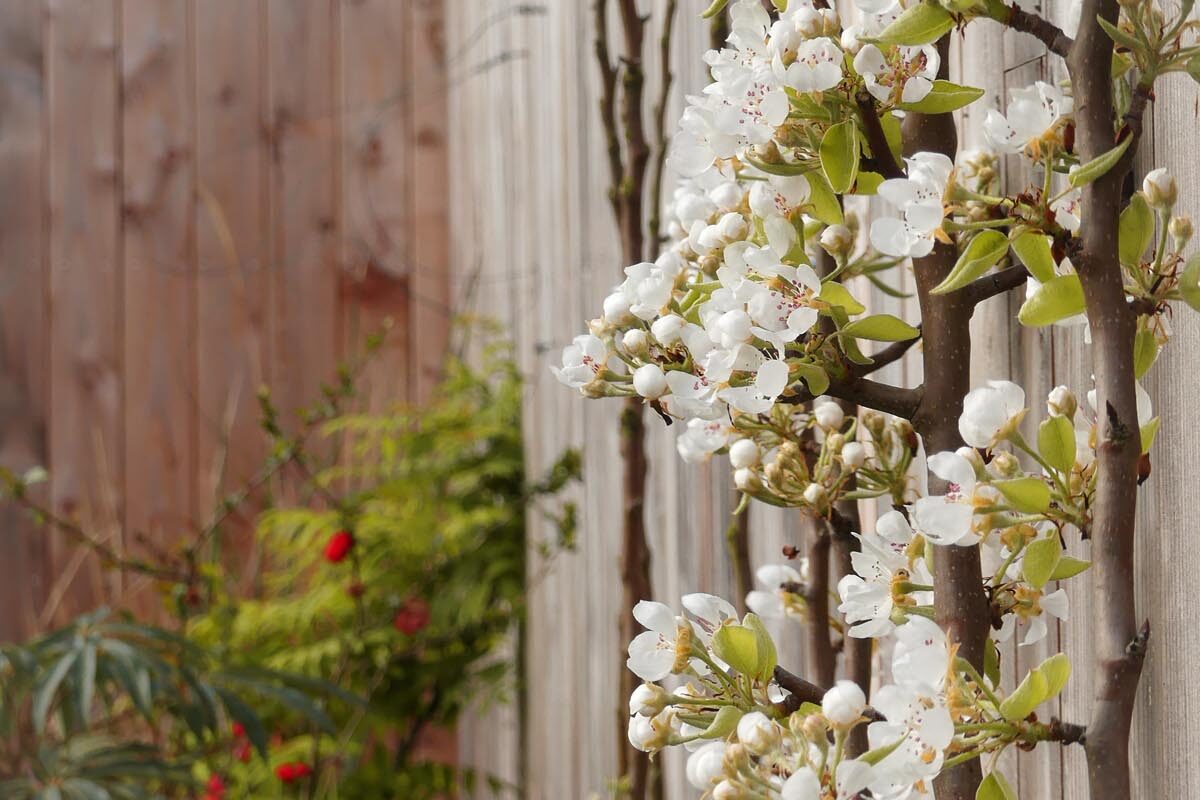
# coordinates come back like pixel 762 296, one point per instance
pixel 1028 494
pixel 1069 567
pixel 1033 248
pixel 1189 282
pixel 1149 431
pixel 1135 231
pixel 1145 351
pixel 881 328
pixel 1193 67
pixel 984 250
pixel 1118 36
pixel 995 787
pixel 85 686
pixel 43 695
pixel 1056 670
pixel 241 712
pixel 1058 298
pixel 1100 165
pixel 1056 443
pixel 1025 698
pixel 991 663
pixel 944 97
pixel 922 23
pixel 716 8
pixel 839 156
pixel 1040 559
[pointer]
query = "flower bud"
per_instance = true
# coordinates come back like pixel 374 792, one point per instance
pixel 649 734
pixel 829 415
pixel 648 700
pixel 706 765
pixel 972 456
pixel 843 704
pixel 873 421
pixel 732 227
pixel 1181 231
pixel 1062 402
pixel 814 728
pixel 734 327
pixel 816 496
pixel 744 453
pixel 728 790
pixel 667 329
pixel 854 455
pixel 1006 465
pixel 834 442
pixel 758 734
pixel 649 381
pixel 636 342
pixel 616 309
pixel 837 240
pixel 905 433
pixel 1159 188
pixel 746 480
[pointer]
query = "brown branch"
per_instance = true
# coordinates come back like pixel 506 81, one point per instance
pixel 864 392
pixel 801 691
pixel 1041 29
pixel 608 103
pixel 887 356
pixel 881 160
pixel 1120 645
pixel 662 140
pixel 960 605
pixel 821 658
pixel 996 283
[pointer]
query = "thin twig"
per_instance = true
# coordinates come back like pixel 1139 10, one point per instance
pixel 882 160
pixel 1041 29
pixel 662 140
pixel 996 283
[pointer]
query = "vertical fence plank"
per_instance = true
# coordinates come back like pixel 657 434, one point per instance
pixel 23 313
pixel 305 329
pixel 232 289
pixel 86 388
pixel 159 283
pixel 378 87
pixel 429 217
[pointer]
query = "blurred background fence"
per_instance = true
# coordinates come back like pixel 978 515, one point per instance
pixel 199 197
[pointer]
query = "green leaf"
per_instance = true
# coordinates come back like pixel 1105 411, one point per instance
pixel 893 134
pixel 1149 431
pixel 1033 248
pixel 944 97
pixel 1058 298
pixel 1099 165
pixel 1069 567
pixel 723 723
pixel 995 787
pixel 985 249
pixel 1193 67
pixel 1028 494
pixel 43 695
pixel 716 8
pixel 1145 351
pixel 85 686
pixel 1189 282
pixel 1041 557
pixel 825 205
pixel 837 294
pixel 1056 670
pixel 867 183
pixel 243 713
pixel 737 646
pixel 839 156
pixel 1056 442
pixel 991 662
pixel 1135 231
pixel 814 376
pixel 922 23
pixel 1126 40
pixel 1025 698
pixel 881 328
pixel 767 656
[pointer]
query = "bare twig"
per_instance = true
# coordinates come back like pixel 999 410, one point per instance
pixel 660 124
pixel 864 392
pixel 1040 28
pixel 881 160
pixel 801 691
pixel 996 283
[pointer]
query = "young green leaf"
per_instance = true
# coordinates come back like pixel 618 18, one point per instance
pixel 1145 351
pixel 1189 282
pixel 1028 494
pixel 839 156
pixel 881 328
pixel 1100 165
pixel 981 254
pixel 1135 231
pixel 836 294
pixel 1025 698
pixel 944 98
pixel 922 23
pixel 1193 67
pixel 1058 298
pixel 995 787
pixel 825 205
pixel 1056 670
pixel 723 724
pixel 1056 442
pixel 1041 557
pixel 1128 41
pixel 737 646
pixel 1069 567
pixel 813 376
pixel 1033 248
pixel 716 8
pixel 1149 431
pixel 767 656
pixel 867 183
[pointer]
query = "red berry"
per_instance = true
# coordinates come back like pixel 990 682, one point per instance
pixel 242 751
pixel 215 785
pixel 292 771
pixel 412 617
pixel 339 546
pixel 239 730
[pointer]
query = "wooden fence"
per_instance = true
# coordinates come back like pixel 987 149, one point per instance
pixel 199 197
pixel 534 233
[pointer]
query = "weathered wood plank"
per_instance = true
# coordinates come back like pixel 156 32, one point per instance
pixel 159 311
pixel 23 307
pixel 85 418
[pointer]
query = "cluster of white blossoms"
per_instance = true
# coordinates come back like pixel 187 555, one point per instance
pixel 748 736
